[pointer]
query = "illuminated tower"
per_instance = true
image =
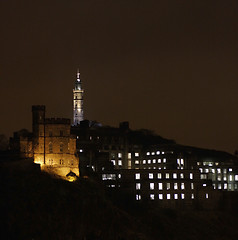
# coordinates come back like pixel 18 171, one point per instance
pixel 78 101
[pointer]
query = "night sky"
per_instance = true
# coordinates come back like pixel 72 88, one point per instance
pixel 169 66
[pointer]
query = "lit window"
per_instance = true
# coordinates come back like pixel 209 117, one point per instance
pixel 150 175
pixel 119 175
pixel 218 170
pixel 152 197
pixel 160 196
pixel 154 160
pixel 153 153
pixel 149 161
pixel 164 160
pixel 203 176
pixel 120 162
pixel 160 186
pixel 152 186
pixel 224 171
pixel 182 161
pixel 159 160
pixel 230 169
pixel 182 186
pixel 129 155
pixel 113 162
pixel 192 195
pixel 230 178
pixel 236 177
pixel 138 186
pixel 159 176
pixel 219 177
pixel 191 176
pixel 167 175
pixel 174 175
pixel 214 186
pixel 219 186
pixel 119 155
pixel 137 176
pixel 229 186
pixel 138 197
pixel 148 153
pixel 206 195
pixel 213 170
pixel 162 153
pixel 178 161
pixel 168 195
pixel 175 196
pixel 168 186
pixel 175 186
pixel 192 186
pixel 158 152
pixel 181 175
pixel 182 196
pixel 144 161
pixel 225 185
pixel 80 150
pixel 206 170
pixel 136 161
pixel 204 184
pixel 136 154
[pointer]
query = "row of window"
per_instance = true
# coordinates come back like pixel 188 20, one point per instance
pixel 169 196
pixel 61 162
pixel 166 176
pixel 225 186
pixel 167 186
pixel 155 153
pixel 214 170
pixel 61 147
pixel 153 161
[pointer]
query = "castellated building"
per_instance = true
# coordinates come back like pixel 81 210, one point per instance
pixel 54 148
pixel 50 145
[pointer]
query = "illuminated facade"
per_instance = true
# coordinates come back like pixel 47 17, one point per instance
pixel 54 148
pixel 78 101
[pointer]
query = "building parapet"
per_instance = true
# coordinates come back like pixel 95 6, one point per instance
pixel 57 121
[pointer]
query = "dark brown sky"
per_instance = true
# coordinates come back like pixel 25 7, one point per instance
pixel 169 66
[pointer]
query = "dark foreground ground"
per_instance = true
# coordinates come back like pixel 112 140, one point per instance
pixel 36 206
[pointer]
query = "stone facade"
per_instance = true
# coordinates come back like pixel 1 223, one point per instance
pixel 54 148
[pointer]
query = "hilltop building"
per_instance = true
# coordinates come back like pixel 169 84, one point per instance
pixel 145 165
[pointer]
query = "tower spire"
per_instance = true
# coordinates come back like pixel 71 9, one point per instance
pixel 78 100
pixel 78 75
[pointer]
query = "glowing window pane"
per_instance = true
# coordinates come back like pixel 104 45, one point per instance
pixel 137 176
pixel 150 175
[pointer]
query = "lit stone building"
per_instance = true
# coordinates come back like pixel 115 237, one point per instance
pixel 54 148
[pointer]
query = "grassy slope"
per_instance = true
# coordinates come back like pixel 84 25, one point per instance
pixel 36 206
